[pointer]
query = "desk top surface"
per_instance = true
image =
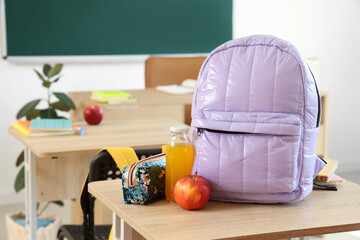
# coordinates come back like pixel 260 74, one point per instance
pixel 320 213
pixel 149 133
pixel 144 97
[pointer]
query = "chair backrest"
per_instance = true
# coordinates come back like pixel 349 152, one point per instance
pixel 103 167
pixel 172 70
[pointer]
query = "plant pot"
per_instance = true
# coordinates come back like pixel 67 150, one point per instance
pixel 17 232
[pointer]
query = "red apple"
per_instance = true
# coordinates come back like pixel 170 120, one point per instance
pixel 192 192
pixel 93 114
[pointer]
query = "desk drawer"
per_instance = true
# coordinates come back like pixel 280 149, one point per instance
pixel 61 177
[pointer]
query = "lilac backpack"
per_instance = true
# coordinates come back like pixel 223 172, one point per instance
pixel 255 121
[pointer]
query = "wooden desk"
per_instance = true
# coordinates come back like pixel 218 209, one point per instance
pixel 321 212
pixel 55 167
pixel 149 104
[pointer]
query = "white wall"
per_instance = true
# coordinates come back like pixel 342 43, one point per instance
pixel 292 20
pixel 339 71
pixel 326 29
pixel 330 31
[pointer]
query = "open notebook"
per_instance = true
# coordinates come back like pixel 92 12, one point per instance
pixel 186 87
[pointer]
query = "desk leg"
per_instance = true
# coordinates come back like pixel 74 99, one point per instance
pixel 30 198
pixel 126 231
pixel 116 227
pixel 121 230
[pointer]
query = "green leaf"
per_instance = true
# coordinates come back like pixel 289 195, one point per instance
pixel 56 80
pixel 33 114
pixel 27 108
pixel 46 84
pixel 60 203
pixel 48 113
pixel 46 69
pixel 65 99
pixel 60 106
pixel 20 180
pixel 20 158
pixel 40 76
pixel 55 70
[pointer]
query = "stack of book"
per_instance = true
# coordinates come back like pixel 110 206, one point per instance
pixel 45 127
pixel 113 96
pixel 327 178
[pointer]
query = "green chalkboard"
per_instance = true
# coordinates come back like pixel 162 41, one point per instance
pixel 116 27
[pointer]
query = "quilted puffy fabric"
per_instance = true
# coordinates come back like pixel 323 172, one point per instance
pixel 255 116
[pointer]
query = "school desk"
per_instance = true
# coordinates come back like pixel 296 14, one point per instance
pixel 148 104
pixel 151 104
pixel 56 166
pixel 321 212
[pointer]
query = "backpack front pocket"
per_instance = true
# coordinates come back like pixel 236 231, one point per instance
pixel 259 157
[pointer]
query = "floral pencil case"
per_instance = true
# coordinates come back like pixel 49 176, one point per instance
pixel 144 181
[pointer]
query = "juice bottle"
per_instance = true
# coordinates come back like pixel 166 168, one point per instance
pixel 179 158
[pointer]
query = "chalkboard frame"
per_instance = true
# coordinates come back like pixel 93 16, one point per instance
pixel 84 58
pixel 3 29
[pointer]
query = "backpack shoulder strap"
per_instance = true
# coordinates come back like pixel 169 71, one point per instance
pixel 123 156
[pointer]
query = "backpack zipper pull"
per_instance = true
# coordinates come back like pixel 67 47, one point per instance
pixel 200 131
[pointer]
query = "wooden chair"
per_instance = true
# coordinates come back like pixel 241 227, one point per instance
pixel 103 167
pixel 172 70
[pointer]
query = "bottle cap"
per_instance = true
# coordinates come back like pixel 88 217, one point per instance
pixel 179 128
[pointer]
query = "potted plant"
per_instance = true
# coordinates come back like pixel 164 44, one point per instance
pixel 56 102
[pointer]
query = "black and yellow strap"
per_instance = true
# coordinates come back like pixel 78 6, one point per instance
pixel 123 156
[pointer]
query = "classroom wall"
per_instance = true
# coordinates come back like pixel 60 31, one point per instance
pixel 325 29
pixel 329 31
pixel 340 73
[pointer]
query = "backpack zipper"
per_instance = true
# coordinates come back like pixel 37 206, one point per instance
pixel 130 181
pixel 319 99
pixel 322 159
pixel 319 103
pixel 201 130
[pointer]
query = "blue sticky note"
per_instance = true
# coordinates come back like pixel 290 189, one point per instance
pixel 51 124
pixel 82 131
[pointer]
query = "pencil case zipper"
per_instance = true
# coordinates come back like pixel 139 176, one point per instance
pixel 130 181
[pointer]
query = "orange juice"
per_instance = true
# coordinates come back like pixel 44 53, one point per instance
pixel 179 162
